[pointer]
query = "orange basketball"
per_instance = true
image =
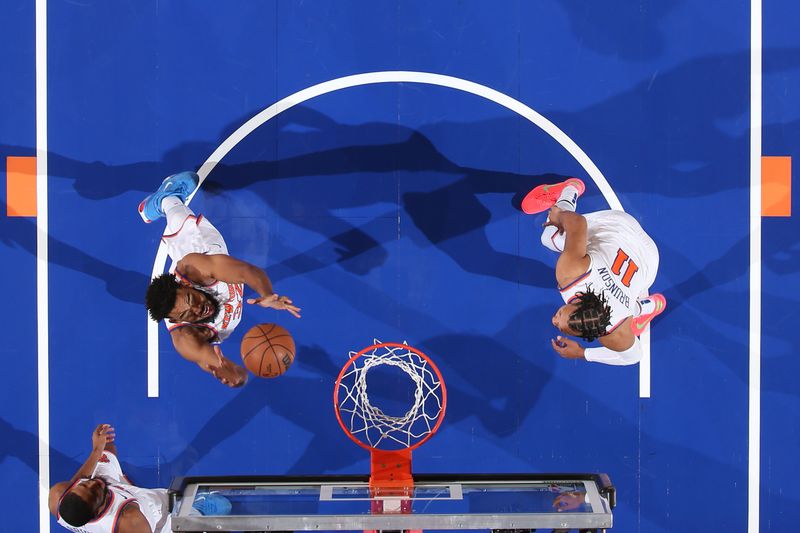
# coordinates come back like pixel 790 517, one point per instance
pixel 267 350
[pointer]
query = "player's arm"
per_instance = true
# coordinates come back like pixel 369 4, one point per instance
pixel 228 269
pixel 231 270
pixel 133 521
pixel 102 436
pixel 619 348
pixel 194 346
pixel 573 261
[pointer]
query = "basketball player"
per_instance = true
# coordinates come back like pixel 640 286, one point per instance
pixel 606 266
pixel 100 499
pixel 202 300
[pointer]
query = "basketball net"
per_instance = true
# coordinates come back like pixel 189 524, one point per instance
pixel 390 439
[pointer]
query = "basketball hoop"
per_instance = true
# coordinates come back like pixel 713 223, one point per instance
pixel 390 439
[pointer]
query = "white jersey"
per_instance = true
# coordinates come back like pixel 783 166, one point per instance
pixel 197 235
pixel 229 296
pixel 623 261
pixel 153 503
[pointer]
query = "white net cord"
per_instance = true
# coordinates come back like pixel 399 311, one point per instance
pixel 374 427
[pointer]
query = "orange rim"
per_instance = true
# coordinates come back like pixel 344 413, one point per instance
pixel 417 352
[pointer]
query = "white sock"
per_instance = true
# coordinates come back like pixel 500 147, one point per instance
pixel 568 199
pixel 176 213
pixel 552 240
pixel 646 306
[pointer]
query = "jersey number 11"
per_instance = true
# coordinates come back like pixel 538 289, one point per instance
pixel 619 262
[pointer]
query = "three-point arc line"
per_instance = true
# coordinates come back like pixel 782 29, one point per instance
pixel 370 78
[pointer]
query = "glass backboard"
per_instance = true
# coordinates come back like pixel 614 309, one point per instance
pixel 437 502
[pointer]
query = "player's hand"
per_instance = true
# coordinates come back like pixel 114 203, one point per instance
pixel 226 372
pixel 554 219
pixel 567 348
pixel 101 435
pixel 568 501
pixel 276 302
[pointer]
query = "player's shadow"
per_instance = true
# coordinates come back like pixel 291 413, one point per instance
pixel 451 210
pixel 627 31
pixel 227 420
pixel 273 398
pixel 492 378
pixel 486 378
pixel 699 306
pixel 683 121
pixel 692 111
pixel 350 167
pixel 122 284
pixel 356 164
pixel 24 446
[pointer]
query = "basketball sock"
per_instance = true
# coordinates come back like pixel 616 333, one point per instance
pixel 176 213
pixel 646 306
pixel 552 240
pixel 568 199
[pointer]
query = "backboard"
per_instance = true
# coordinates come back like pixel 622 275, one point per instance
pixel 437 502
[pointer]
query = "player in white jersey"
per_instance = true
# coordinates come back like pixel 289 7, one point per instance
pixel 606 266
pixel 101 499
pixel 202 300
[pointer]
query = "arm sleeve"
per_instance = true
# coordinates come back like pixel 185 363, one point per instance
pixel 631 356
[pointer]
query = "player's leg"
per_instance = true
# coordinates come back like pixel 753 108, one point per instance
pixel 649 307
pixel 567 200
pixel 211 503
pixel 185 232
pixel 653 305
pixel 543 197
pixel 177 214
pixel 179 185
pixel 552 239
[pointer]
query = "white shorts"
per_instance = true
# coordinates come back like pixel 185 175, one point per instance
pixel 608 232
pixel 611 231
pixel 196 235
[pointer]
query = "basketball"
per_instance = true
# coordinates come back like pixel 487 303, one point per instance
pixel 267 350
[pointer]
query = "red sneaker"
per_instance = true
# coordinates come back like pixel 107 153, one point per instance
pixel 640 322
pixel 544 197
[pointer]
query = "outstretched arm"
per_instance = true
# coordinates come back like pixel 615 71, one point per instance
pixel 193 346
pixel 231 270
pixel 102 439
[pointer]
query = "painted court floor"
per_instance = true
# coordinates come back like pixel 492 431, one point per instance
pixel 386 206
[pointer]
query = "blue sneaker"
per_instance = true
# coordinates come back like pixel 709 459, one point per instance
pixel 212 504
pixel 180 185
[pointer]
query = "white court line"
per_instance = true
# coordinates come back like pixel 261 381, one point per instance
pixel 42 324
pixel 754 378
pixel 385 77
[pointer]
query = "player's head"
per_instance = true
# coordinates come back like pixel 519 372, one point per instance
pixel 83 502
pixel 587 317
pixel 167 298
pixel 160 297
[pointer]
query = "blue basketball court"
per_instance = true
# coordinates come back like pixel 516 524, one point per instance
pixel 370 157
